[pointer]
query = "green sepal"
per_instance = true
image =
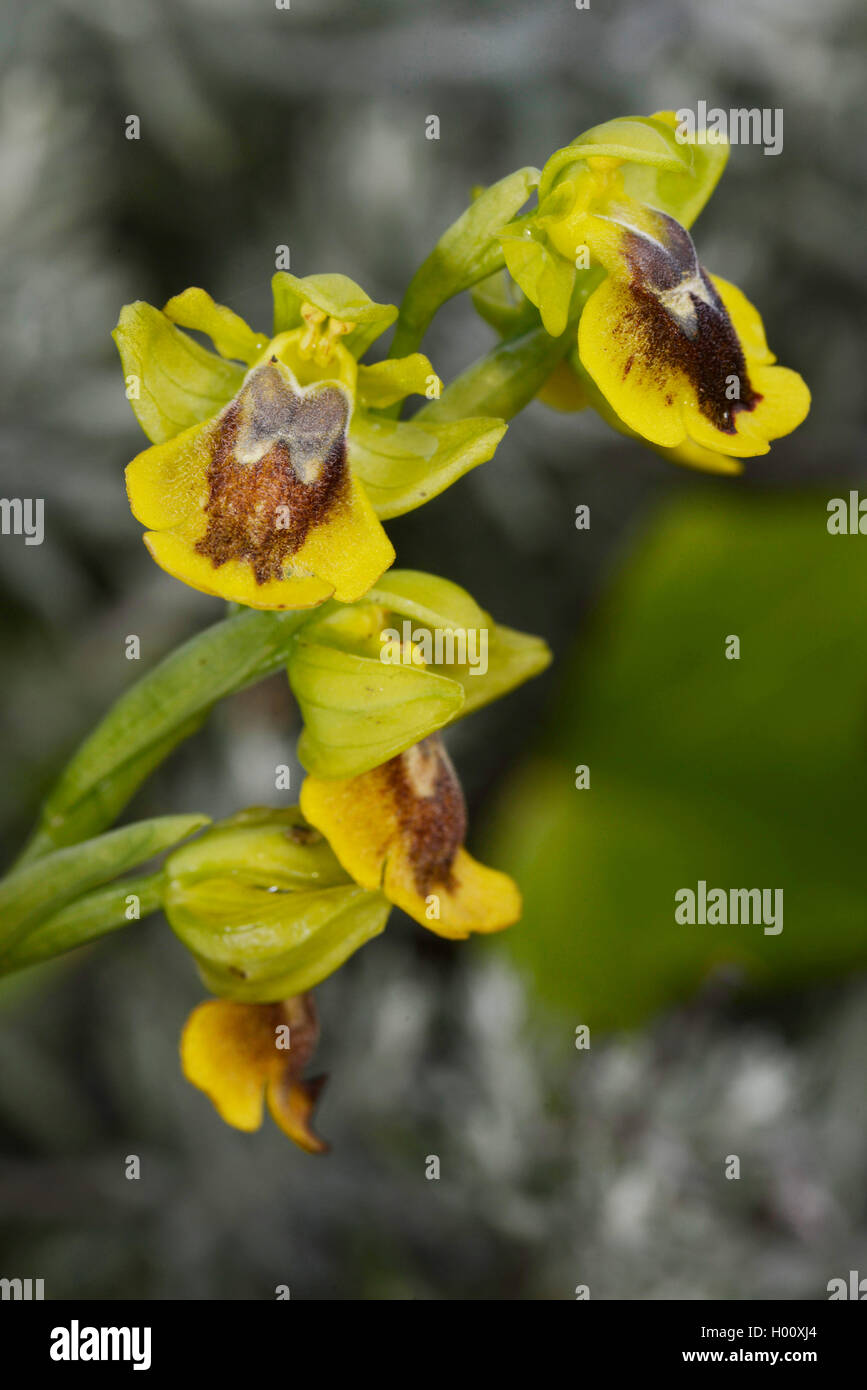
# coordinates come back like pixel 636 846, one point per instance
pixel 435 604
pixel 466 253
pixel 153 716
pixel 359 711
pixel 264 907
pixel 661 171
pixel 28 895
pixel 403 464
pixel 86 919
pixel 180 383
pixel 231 336
pixel 385 383
pixel 337 296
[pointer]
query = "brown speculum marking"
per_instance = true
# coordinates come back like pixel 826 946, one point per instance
pixel 431 811
pixel 278 467
pixel 682 322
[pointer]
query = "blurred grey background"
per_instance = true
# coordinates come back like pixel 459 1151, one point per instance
pixel 305 127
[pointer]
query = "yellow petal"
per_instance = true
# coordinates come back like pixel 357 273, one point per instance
pixel 669 379
pixel 231 336
pixel 563 390
pixel 229 1051
pixel 615 344
pixel 234 580
pixel 476 898
pixel 168 481
pixel 348 549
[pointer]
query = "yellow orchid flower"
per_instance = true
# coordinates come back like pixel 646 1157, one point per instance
pixel 678 356
pixel 243 1054
pixel 270 472
pixel 400 829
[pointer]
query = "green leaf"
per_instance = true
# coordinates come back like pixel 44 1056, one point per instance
pixel 85 919
pixel 466 253
pixel 28 894
pixel 403 464
pixel 264 906
pixel 359 711
pixel 179 382
pixel 153 716
pixel 337 296
pixel 231 336
pixel 742 773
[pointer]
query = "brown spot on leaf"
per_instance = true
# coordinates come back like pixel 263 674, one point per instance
pixel 431 810
pixel 278 468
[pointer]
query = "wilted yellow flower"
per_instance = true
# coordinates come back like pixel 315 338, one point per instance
pixel 243 1054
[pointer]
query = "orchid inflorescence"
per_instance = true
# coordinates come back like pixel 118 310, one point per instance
pixel 274 461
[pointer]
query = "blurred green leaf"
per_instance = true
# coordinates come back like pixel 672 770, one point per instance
pixel 744 773
pixel 153 716
pixel 30 894
pixel 85 919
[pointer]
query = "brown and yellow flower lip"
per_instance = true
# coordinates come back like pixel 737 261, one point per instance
pixel 240 1054
pixel 278 467
pixel 431 812
pixel 399 829
pixel 678 320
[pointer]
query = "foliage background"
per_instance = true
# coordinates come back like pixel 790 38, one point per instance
pixel 306 127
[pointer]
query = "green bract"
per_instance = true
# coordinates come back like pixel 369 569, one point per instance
pixel 264 907
pixel 466 253
pixel 364 701
pixel 659 170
